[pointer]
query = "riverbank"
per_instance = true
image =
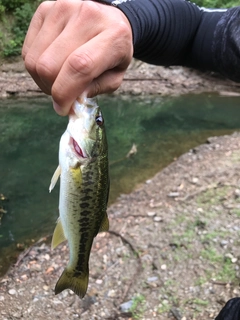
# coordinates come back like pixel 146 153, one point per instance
pixel 140 79
pixel 173 247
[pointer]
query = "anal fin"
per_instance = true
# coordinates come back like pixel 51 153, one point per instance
pixel 58 235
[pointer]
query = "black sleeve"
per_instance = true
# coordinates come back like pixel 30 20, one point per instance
pixel 177 32
pixel 231 310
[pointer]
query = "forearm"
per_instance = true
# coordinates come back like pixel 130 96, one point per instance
pixel 177 32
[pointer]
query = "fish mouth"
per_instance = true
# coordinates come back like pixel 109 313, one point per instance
pixel 77 149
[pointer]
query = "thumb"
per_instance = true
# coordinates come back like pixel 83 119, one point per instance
pixel 107 82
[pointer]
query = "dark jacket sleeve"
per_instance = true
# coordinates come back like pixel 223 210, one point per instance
pixel 177 32
pixel 231 310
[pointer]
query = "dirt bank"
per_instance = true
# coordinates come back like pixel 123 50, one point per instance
pixel 140 79
pixel 173 248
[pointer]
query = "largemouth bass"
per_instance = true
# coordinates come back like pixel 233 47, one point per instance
pixel 84 188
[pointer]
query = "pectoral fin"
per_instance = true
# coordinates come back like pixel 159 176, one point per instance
pixel 105 224
pixel 58 235
pixel 55 177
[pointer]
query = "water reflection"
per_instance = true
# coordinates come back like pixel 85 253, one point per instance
pixel 30 130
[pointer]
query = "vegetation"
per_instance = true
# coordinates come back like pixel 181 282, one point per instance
pixel 217 3
pixel 138 306
pixel 15 16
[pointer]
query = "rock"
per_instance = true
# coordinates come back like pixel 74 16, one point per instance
pixel 152 279
pixel 173 194
pixel 151 214
pixel 12 292
pixel 158 219
pixel 99 281
pixel 126 306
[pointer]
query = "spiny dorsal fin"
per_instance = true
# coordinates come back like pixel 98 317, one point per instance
pixel 105 224
pixel 58 235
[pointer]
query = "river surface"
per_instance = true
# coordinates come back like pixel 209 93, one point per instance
pixel 161 128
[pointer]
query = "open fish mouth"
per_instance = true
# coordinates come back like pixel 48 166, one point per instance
pixel 78 149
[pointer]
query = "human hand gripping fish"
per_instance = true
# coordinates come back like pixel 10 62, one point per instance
pixel 84 188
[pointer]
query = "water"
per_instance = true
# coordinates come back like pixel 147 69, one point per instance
pixel 162 129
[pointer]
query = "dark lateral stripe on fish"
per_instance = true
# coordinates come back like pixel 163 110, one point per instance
pixel 87 183
pixel 84 226
pixel 83 254
pixel 87 190
pixel 85 213
pixel 83 220
pixel 84 205
pixel 86 198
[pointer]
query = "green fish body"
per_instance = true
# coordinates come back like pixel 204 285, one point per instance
pixel 84 188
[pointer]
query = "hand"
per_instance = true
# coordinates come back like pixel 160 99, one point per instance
pixel 74 46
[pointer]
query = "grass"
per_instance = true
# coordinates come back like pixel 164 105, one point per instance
pixel 211 255
pixel 200 281
pixel 138 306
pixel 224 266
pixel 164 307
pixel 200 302
pixel 227 272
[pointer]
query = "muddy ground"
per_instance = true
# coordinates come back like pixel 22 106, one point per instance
pixel 173 249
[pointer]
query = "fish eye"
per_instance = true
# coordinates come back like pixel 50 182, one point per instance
pixel 99 120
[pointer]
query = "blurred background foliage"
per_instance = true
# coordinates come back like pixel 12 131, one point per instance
pixel 15 16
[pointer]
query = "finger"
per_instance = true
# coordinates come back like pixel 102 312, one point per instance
pixel 49 63
pixel 107 82
pixel 45 69
pixel 35 25
pixel 37 40
pixel 86 64
pixel 41 59
pixel 50 20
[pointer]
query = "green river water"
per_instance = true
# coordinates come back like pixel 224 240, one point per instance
pixel 162 129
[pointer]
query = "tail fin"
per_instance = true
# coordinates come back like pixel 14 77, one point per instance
pixel 77 282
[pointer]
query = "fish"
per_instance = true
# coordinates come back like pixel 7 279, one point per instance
pixel 84 190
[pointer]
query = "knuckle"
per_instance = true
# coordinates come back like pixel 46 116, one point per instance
pixel 41 11
pixel 42 7
pixel 81 63
pixel 97 88
pixel 90 10
pixel 30 63
pixel 57 94
pixel 123 48
pixel 24 52
pixel 121 32
pixel 114 85
pixel 44 68
pixel 115 81
pixel 122 28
